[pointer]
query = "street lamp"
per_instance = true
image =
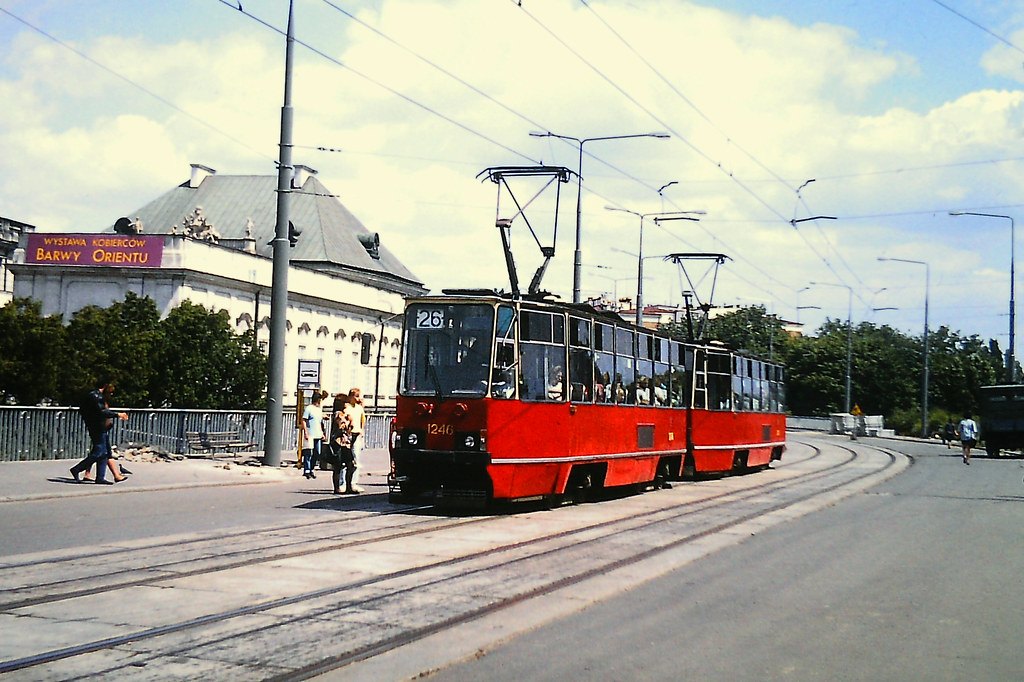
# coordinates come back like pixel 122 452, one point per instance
pixel 924 379
pixel 849 335
pixel 1010 364
pixel 577 258
pixel 615 285
pixel 673 215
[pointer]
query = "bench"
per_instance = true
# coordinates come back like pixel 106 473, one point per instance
pixel 213 441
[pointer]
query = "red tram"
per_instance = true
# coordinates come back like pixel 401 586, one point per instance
pixel 517 400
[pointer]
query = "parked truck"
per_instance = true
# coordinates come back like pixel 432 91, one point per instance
pixel 1002 418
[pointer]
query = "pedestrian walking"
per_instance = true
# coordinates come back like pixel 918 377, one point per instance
pixel 311 431
pixel 99 419
pixel 948 433
pixel 968 430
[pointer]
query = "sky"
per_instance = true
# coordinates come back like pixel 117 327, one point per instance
pixel 884 117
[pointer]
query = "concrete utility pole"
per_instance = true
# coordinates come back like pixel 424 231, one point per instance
pixel 279 284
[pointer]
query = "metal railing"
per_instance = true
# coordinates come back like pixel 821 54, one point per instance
pixel 37 433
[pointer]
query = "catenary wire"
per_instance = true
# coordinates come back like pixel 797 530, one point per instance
pixel 163 100
pixel 406 98
pixel 729 139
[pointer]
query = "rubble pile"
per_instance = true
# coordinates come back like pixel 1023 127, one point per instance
pixel 141 452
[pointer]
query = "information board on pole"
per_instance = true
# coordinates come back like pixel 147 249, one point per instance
pixel 309 374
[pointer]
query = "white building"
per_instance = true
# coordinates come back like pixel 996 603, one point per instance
pixel 207 241
pixel 10 237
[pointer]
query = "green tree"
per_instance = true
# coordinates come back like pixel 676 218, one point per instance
pixel 749 329
pixel 885 369
pixel 119 342
pixel 204 364
pixel 32 348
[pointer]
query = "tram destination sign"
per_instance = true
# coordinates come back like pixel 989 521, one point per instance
pixel 113 250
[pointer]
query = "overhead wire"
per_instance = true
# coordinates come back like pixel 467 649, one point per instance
pixel 518 114
pixel 730 141
pixel 633 100
pixel 406 98
pixel 138 86
pixel 978 25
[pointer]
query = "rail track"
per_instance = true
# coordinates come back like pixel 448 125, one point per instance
pixel 294 601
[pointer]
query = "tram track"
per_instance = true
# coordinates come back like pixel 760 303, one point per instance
pixel 380 592
pixel 208 549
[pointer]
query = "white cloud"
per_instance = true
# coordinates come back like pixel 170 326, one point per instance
pixel 83 146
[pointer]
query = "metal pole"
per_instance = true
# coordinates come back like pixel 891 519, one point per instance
pixel 640 278
pixel 849 347
pixel 1011 365
pixel 279 284
pixel 577 255
pixel 849 337
pixel 924 390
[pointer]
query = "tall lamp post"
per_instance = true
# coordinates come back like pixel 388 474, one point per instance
pixel 674 215
pixel 577 257
pixel 279 275
pixel 924 380
pixel 849 335
pixel 1010 364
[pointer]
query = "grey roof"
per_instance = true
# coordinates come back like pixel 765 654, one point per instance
pixel 329 238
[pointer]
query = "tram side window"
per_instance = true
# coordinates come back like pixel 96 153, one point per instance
pixel 700 383
pixel 581 361
pixel 644 369
pixel 739 369
pixel 662 378
pixel 766 388
pixel 757 382
pixel 781 389
pixel 678 382
pixel 624 385
pixel 604 363
pixel 503 374
pixel 750 385
pixel 719 381
pixel 542 354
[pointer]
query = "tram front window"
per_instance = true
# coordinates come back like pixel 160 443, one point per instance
pixel 447 350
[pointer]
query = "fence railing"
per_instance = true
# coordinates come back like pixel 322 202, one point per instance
pixel 36 433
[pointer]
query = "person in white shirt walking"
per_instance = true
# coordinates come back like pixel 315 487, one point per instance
pixel 968 430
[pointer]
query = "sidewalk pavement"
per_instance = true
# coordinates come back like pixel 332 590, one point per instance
pixel 51 479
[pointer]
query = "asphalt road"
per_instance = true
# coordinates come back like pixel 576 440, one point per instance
pixel 918 578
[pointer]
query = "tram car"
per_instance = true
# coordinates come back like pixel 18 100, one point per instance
pixel 504 400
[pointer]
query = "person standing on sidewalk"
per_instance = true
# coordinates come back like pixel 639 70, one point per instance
pixel 99 419
pixel 341 444
pixel 311 430
pixel 357 417
pixel 968 431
